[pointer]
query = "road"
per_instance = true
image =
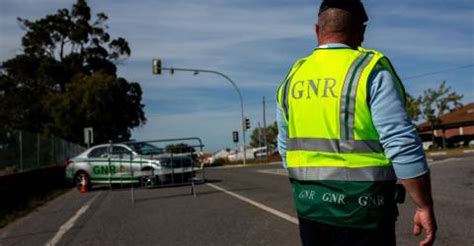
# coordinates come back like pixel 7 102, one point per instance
pixel 238 206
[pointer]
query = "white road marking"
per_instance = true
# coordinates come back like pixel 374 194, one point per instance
pixel 273 211
pixel 432 163
pixel 70 223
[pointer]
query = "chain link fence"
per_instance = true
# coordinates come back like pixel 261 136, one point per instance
pixel 23 151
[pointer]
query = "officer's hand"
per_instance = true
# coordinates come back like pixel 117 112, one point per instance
pixel 424 220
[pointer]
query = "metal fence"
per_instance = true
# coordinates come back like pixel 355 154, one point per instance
pixel 22 151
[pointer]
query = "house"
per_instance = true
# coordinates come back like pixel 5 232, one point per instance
pixel 456 128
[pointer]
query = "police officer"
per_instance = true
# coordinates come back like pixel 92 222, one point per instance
pixel 346 138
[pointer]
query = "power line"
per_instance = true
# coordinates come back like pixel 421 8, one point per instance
pixel 245 104
pixel 440 71
pixel 408 77
pixel 251 103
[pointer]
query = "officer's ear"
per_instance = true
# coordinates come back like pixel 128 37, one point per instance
pixel 362 32
pixel 316 30
pixel 358 34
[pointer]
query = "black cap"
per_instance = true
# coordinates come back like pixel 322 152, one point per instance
pixel 354 7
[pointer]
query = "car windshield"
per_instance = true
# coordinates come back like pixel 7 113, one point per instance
pixel 145 148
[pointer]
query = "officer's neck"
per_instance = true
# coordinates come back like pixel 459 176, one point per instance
pixel 340 40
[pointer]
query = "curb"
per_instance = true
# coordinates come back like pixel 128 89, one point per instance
pixel 437 153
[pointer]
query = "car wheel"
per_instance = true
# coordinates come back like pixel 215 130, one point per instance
pixel 148 181
pixel 78 180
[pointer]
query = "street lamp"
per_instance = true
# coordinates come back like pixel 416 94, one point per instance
pixel 157 70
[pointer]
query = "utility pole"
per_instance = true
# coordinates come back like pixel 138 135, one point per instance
pixel 264 128
pixel 260 142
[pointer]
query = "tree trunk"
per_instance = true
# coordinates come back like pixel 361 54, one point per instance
pixel 433 135
pixel 61 52
pixel 444 138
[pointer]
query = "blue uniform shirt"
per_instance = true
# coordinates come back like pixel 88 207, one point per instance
pixel 397 133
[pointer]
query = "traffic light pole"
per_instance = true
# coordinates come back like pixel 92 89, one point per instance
pixel 197 71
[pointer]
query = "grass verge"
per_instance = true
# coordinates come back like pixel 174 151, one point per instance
pixel 24 192
pixel 28 205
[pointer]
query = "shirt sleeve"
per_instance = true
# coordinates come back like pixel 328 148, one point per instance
pixel 397 133
pixel 282 134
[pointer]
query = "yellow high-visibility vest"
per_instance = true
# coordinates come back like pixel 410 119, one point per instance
pixel 337 166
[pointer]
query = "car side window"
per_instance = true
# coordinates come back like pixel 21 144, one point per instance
pixel 98 152
pixel 119 150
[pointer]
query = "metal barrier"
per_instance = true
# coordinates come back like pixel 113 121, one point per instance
pixel 148 164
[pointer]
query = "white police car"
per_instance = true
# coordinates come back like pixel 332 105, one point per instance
pixel 134 162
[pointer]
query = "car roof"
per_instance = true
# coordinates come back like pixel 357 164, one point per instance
pixel 85 153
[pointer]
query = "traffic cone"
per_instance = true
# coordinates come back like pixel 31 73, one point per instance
pixel 83 188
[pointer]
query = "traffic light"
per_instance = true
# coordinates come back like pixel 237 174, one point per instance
pixel 247 123
pixel 156 66
pixel 235 136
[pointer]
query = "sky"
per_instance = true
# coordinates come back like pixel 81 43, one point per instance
pixel 255 42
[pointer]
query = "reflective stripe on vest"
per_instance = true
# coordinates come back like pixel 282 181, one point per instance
pixel 342 174
pixel 348 95
pixel 334 145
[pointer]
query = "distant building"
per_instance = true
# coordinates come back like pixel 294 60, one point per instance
pixel 222 154
pixel 251 153
pixel 236 154
pixel 455 129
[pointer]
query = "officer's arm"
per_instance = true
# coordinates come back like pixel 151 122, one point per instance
pixel 403 146
pixel 282 134
pixel 419 190
pixel 397 133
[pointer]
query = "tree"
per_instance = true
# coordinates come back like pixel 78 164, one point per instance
pixel 413 107
pixel 95 99
pixel 66 79
pixel 437 102
pixel 271 133
pixel 179 148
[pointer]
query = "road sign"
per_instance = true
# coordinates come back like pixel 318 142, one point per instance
pixel 235 136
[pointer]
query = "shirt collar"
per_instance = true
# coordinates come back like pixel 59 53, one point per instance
pixel 333 45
